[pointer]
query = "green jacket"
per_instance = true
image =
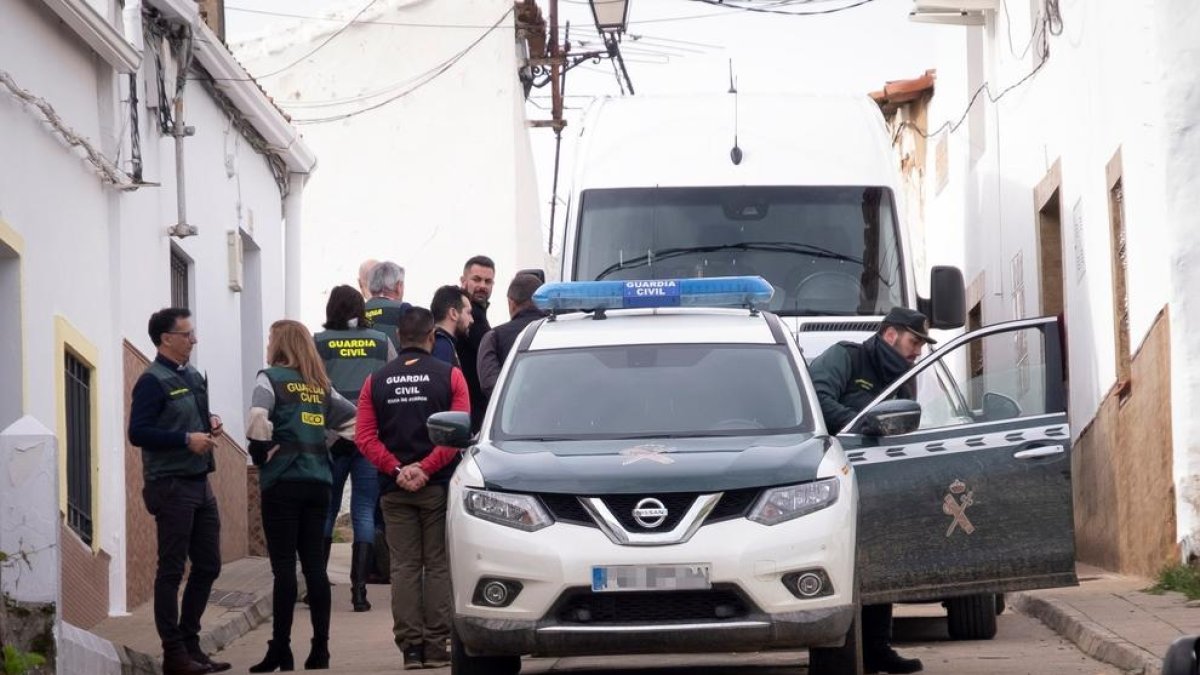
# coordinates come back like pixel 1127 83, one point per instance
pixel 299 417
pixel 186 410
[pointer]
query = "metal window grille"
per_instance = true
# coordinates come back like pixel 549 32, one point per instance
pixel 79 447
pixel 179 280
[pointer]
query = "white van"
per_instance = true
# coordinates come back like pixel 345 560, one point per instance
pixel 807 198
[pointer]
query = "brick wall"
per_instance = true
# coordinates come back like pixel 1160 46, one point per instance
pixel 258 540
pixel 229 484
pixel 84 581
pixel 1122 469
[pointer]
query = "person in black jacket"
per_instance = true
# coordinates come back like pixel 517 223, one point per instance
pixel 170 421
pixel 847 377
pixel 499 343
pixel 478 279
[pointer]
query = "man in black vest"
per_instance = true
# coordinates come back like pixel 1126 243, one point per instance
pixel 498 343
pixel 170 421
pixel 386 305
pixel 451 307
pixel 478 280
pixel 847 377
pixel 392 409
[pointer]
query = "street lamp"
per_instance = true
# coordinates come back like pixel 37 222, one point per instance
pixel 611 16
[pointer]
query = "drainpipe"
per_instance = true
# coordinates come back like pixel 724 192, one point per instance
pixel 180 131
pixel 292 206
pixel 132 20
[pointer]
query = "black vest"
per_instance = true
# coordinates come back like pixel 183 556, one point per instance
pixel 383 314
pixel 866 378
pixel 404 393
pixel 507 333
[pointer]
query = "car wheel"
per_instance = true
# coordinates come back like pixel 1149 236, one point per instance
pixel 1000 604
pixel 844 660
pixel 972 617
pixel 462 663
pixel 1181 658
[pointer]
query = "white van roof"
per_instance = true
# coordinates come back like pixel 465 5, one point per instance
pixel 672 141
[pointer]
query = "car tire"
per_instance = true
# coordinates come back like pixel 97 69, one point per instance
pixel 972 617
pixel 844 660
pixel 1000 604
pixel 462 663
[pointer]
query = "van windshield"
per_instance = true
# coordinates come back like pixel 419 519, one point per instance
pixel 826 250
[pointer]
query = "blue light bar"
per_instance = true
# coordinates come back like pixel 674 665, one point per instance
pixel 749 292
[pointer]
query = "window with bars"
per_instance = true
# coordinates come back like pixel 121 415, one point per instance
pixel 1120 267
pixel 79 446
pixel 179 279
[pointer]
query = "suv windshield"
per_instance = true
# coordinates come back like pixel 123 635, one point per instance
pixel 826 250
pixel 649 391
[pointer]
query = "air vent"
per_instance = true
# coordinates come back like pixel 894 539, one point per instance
pixel 840 327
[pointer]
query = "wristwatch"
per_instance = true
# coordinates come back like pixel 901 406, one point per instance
pixel 395 472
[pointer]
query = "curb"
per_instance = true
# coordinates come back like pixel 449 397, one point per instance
pixel 1090 637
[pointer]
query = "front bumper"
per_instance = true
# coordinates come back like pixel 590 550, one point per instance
pixel 755 632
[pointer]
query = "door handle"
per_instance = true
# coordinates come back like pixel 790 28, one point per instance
pixel 1044 451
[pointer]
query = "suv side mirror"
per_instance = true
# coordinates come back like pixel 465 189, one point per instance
pixel 947 298
pixel 451 428
pixel 999 407
pixel 537 272
pixel 890 418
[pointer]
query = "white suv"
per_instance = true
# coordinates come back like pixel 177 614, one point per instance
pixel 653 480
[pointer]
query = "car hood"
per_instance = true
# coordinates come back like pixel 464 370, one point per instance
pixel 630 467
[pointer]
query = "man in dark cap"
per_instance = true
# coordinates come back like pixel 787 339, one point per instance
pixel 847 377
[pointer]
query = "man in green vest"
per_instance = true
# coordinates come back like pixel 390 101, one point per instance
pixel 386 305
pixel 170 421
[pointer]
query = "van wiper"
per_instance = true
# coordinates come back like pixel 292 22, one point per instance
pixel 652 257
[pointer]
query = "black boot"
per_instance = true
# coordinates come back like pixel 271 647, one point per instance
pixel 192 646
pixel 360 564
pixel 279 657
pixel 886 660
pixel 318 657
pixel 176 661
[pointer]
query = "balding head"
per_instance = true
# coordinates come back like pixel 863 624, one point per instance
pixel 364 276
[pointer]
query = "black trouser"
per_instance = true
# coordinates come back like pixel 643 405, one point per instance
pixel 876 627
pixel 185 512
pixel 293 514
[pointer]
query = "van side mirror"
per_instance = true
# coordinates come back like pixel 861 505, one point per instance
pixel 947 298
pixel 535 271
pixel 890 418
pixel 451 428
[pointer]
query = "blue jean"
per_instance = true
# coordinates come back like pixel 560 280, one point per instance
pixel 364 486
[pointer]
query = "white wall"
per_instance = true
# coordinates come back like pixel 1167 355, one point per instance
pixel 100 258
pixel 428 180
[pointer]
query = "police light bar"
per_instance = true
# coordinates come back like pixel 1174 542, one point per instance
pixel 749 292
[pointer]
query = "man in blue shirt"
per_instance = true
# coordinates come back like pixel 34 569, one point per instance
pixel 170 421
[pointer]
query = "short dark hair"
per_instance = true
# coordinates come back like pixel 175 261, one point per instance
pixel 445 299
pixel 482 261
pixel 163 321
pixel 522 288
pixel 345 303
pixel 415 327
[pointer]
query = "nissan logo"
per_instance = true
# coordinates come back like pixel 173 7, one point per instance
pixel 649 513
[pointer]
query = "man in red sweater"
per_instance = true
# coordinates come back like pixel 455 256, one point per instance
pixel 392 408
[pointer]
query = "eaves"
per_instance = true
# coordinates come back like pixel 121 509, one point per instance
pixel 98 33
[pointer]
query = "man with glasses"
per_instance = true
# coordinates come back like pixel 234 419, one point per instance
pixel 170 421
pixel 849 376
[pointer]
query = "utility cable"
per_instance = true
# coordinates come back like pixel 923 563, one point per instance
pixel 332 36
pixel 765 10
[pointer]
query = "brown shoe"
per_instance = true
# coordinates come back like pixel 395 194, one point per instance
pixel 179 663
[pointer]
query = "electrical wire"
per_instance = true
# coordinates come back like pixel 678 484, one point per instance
pixel 765 10
pixel 314 50
pixel 975 97
pixel 356 22
pixel 429 76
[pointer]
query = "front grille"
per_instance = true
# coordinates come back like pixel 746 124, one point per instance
pixel 677 504
pixel 733 504
pixel 567 509
pixel 583 607
pixel 840 327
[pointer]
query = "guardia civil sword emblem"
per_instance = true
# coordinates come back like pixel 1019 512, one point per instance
pixel 955 505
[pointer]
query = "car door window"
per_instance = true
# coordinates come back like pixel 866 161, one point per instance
pixel 995 377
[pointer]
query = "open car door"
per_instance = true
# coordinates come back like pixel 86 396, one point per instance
pixel 967 489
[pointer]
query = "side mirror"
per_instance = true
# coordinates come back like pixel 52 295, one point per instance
pixel 947 298
pixel 537 272
pixel 451 428
pixel 999 407
pixel 890 418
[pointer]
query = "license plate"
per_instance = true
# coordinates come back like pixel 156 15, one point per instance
pixel 650 578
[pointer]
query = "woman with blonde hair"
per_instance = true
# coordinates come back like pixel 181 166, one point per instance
pixel 292 407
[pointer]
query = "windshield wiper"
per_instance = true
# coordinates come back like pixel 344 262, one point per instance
pixel 776 246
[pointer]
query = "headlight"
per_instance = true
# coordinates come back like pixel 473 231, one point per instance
pixel 520 511
pixel 781 504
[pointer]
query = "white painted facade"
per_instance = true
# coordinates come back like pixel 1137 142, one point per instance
pixel 83 264
pixel 426 180
pixel 1119 76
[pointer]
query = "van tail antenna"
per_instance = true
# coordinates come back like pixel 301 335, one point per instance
pixel 735 154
